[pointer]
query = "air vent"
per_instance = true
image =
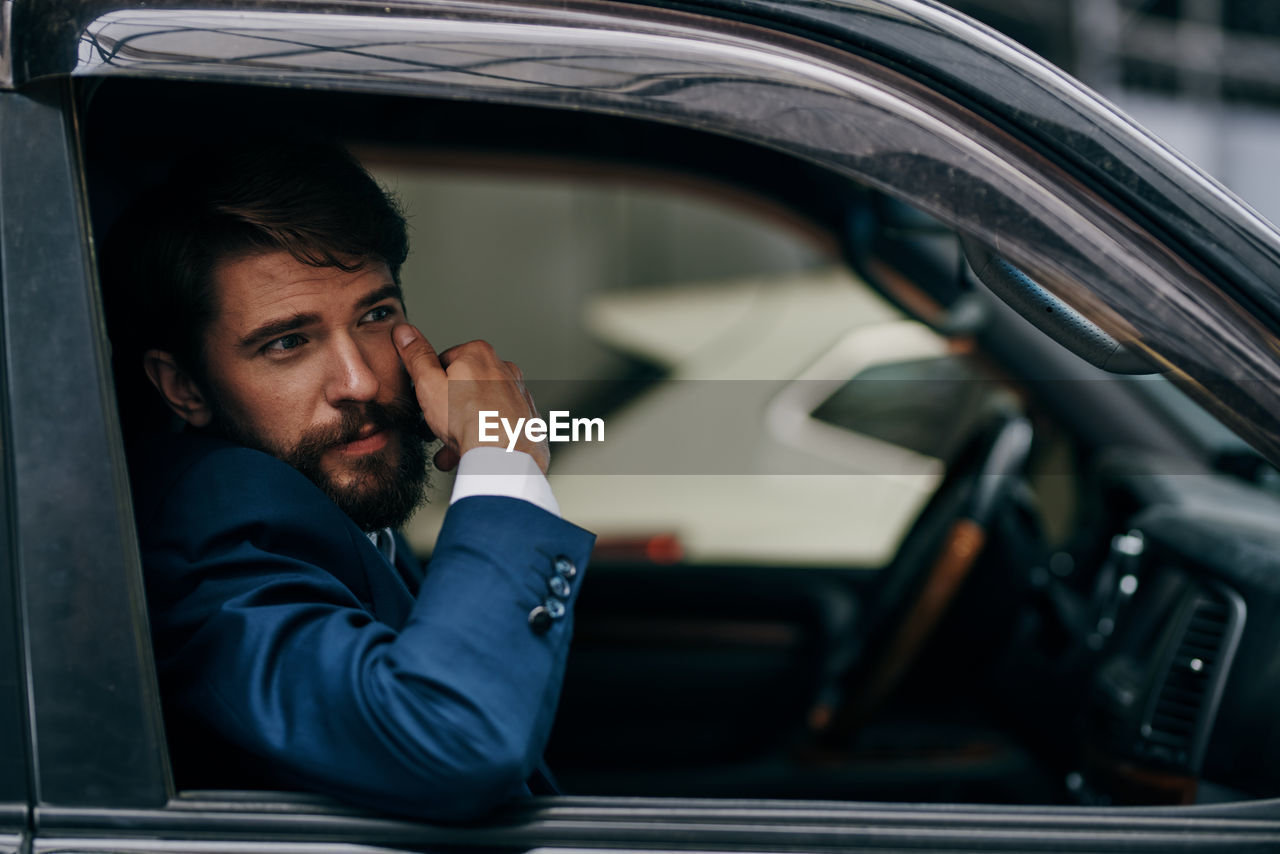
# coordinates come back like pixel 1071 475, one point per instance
pixel 1177 727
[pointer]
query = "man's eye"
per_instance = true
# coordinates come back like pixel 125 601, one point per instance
pixel 382 312
pixel 284 343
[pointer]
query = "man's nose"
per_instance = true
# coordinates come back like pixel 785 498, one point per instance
pixel 351 375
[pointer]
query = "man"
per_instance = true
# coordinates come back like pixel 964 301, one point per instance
pixel 298 643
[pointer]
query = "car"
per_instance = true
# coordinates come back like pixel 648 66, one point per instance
pixel 953 582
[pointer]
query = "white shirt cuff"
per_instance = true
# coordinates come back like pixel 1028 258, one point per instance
pixel 508 474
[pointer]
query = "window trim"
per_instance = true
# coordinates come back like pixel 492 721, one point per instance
pixel 91 691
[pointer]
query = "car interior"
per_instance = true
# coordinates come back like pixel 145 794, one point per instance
pixel 865 532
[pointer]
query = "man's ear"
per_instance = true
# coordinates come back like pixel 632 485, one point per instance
pixel 177 387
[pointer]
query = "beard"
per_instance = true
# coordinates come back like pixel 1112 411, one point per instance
pixel 376 490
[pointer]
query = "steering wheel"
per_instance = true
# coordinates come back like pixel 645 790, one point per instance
pixel 936 557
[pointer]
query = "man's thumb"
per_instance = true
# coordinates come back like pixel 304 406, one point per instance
pixel 405 335
pixel 416 352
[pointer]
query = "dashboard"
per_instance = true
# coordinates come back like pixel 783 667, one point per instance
pixel 1183 619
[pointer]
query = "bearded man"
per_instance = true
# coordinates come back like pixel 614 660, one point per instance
pixel 299 643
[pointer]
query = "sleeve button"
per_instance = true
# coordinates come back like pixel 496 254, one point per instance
pixel 558 586
pixel 565 568
pixel 539 620
pixel 554 608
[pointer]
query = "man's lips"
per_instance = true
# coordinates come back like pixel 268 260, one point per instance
pixel 371 439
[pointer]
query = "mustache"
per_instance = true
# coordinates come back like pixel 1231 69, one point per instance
pixel 401 413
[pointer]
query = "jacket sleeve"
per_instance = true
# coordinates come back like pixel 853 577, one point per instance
pixel 255 588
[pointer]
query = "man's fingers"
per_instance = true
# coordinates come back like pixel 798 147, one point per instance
pixel 457 385
pixel 430 385
pixel 420 360
pixel 447 356
pixel 477 351
pixel 528 399
pixel 416 352
pixel 446 459
pixel 524 389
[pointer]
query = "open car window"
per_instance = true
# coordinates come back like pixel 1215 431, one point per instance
pixel 758 403
pixel 866 531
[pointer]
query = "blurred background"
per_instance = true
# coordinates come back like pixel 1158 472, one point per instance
pixel 1202 74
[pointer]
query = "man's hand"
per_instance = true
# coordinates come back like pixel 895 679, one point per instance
pixel 454 386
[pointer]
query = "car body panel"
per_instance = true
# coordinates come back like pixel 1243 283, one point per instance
pixel 658 824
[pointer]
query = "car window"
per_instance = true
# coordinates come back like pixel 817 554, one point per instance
pixel 755 395
pixel 762 409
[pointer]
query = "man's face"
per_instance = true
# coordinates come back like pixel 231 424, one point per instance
pixel 299 363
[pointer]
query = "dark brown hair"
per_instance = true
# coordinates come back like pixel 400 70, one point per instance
pixel 313 201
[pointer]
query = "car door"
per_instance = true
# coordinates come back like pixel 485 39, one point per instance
pixel 97 767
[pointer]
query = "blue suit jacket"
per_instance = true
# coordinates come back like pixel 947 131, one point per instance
pixel 291 654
